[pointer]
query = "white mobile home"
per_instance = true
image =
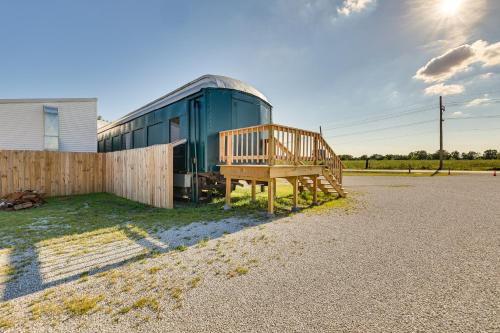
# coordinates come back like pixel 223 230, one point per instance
pixel 61 124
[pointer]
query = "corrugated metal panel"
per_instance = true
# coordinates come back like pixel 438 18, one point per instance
pixel 21 125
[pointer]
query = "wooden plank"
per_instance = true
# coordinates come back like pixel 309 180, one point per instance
pixel 315 189
pixel 270 196
pixel 254 183
pixel 295 185
pixel 228 193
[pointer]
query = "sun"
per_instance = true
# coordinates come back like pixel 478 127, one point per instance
pixel 450 7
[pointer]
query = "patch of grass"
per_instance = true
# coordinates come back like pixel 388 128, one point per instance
pixel 194 282
pixel 202 243
pixel 150 302
pixel 6 323
pixel 181 248
pixel 124 310
pixel 479 165
pixel 82 304
pixel 7 270
pixel 84 277
pixel 176 293
pixel 240 270
pixel 395 174
pixel 49 309
pixel 154 269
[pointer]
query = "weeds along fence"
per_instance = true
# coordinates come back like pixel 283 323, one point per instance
pixel 144 174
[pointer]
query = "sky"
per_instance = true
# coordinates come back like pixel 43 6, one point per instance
pixel 369 72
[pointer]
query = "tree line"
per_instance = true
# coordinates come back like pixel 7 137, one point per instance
pixel 489 154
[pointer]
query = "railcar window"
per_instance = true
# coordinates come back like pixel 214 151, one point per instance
pixel 116 143
pixel 175 129
pixel 100 146
pixel 127 140
pixel 139 139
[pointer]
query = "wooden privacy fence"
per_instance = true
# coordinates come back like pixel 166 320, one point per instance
pixel 52 173
pixel 144 175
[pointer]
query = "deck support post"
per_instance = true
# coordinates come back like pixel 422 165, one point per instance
pixel 315 189
pixel 227 206
pixel 270 197
pixel 295 184
pixel 274 187
pixel 254 183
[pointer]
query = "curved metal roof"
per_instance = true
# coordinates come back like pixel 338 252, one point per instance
pixel 205 81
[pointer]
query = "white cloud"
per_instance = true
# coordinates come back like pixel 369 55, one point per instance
pixel 353 6
pixel 446 65
pixel 489 54
pixel 478 101
pixel 457 113
pixel 459 59
pixel 444 89
pixel 486 76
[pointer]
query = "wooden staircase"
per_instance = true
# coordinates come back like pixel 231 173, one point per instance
pixel 266 152
pixel 326 183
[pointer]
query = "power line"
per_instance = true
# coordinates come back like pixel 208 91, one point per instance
pixel 414 134
pixel 386 138
pixel 377 119
pixel 475 117
pixel 411 124
pixel 356 120
pixel 383 129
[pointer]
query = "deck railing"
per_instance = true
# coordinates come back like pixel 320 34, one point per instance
pixel 276 144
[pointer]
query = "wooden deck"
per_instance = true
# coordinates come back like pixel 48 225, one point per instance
pixel 267 152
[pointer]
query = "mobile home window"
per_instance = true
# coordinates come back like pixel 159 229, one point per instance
pixel 175 129
pixel 51 124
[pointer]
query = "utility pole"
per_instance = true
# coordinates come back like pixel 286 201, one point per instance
pixel 441 111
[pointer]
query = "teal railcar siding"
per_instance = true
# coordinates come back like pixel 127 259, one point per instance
pixel 202 116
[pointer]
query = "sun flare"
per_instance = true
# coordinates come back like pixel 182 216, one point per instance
pixel 450 7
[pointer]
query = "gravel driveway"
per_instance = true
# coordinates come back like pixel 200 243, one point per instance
pixel 411 255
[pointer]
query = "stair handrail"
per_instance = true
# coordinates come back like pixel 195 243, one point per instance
pixel 277 144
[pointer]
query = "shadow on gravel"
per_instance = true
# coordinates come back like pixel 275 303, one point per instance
pixel 48 269
pixel 72 237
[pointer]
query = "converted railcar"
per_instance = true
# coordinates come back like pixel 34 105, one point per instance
pixel 191 116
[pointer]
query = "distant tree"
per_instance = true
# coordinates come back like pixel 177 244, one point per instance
pixel 472 155
pixel 99 117
pixel 376 157
pixel 490 154
pixel 363 157
pixel 389 157
pixel 418 155
pixel 436 155
pixel 346 157
pixel 455 155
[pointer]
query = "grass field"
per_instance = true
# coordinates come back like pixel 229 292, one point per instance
pixel 477 165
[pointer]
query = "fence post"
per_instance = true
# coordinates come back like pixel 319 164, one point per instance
pixel 272 148
pixel 315 149
pixel 230 148
pixel 296 151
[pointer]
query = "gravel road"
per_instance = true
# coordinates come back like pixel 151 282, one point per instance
pixel 411 255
